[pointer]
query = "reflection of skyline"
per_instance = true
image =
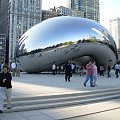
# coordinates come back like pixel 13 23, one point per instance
pixel 61 45
pixel 45 44
pixel 106 13
pixel 60 31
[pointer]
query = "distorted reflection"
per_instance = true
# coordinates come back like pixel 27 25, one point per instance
pixel 60 32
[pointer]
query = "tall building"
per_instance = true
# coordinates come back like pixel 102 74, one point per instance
pixel 16 17
pixel 3 50
pixel 90 8
pixel 64 11
pixel 115 30
pixel 61 11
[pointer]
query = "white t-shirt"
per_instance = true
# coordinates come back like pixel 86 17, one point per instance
pixel 117 66
pixel 53 67
pixel 13 65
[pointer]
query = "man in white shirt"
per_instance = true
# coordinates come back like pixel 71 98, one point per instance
pixel 13 68
pixel 53 68
pixel 117 70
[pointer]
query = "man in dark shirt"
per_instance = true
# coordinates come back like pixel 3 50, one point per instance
pixel 68 71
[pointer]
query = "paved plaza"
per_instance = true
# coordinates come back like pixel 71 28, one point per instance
pixel 45 84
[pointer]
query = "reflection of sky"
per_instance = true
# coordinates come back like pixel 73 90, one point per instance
pixel 55 31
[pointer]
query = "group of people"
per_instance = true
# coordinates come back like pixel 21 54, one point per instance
pixel 69 69
pixel 6 77
pixel 14 67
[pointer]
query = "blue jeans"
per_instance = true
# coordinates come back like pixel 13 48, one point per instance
pixel 89 77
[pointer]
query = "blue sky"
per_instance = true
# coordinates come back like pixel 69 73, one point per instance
pixel 109 9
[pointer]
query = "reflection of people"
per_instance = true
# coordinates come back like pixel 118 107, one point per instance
pixel 5 87
pixel 68 71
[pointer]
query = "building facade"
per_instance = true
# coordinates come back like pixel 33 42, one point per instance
pixel 20 16
pixel 69 12
pixel 3 49
pixel 90 8
pixel 4 17
pixel 115 30
pixel 49 13
pixel 61 11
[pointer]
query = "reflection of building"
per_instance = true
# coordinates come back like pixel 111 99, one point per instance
pixel 118 54
pixel 49 14
pixel 58 40
pixel 90 8
pixel 16 17
pixel 3 50
pixel 115 30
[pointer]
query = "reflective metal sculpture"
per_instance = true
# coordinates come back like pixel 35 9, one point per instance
pixel 64 38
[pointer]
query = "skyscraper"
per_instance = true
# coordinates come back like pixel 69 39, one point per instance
pixel 115 30
pixel 90 8
pixel 16 17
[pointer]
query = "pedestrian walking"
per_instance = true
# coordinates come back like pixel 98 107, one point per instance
pixel 89 74
pixel 5 87
pixel 117 70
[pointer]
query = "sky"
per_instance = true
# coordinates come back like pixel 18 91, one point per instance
pixel 109 9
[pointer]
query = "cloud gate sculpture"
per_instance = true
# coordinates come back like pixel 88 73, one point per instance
pixel 64 38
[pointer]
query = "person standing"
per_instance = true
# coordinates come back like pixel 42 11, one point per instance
pixel 53 68
pixel 73 67
pixel 18 65
pixel 117 70
pixel 94 73
pixel 68 71
pixel 101 70
pixel 108 71
pixel 89 74
pixel 13 68
pixel 5 87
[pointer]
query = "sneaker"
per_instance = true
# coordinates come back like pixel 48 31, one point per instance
pixel 84 85
pixel 92 85
pixel 1 111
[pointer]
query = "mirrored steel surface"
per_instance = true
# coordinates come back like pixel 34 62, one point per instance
pixel 60 33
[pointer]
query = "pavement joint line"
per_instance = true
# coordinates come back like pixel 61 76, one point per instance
pixel 89 113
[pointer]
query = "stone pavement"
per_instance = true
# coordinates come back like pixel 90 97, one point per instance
pixel 47 84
